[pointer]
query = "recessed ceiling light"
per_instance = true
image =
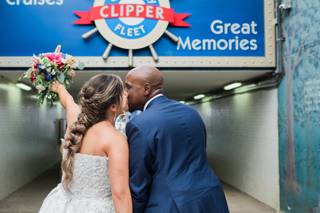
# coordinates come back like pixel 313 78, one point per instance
pixel 198 97
pixel 23 86
pixel 232 86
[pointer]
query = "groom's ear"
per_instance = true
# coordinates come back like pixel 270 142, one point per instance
pixel 147 89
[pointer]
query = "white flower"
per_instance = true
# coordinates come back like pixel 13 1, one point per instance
pixel 53 72
pixel 40 88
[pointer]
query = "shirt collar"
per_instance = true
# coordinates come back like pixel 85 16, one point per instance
pixel 151 99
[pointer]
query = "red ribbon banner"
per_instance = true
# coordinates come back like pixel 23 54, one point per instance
pixel 133 11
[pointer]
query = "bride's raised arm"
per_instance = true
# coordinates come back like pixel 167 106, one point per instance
pixel 66 100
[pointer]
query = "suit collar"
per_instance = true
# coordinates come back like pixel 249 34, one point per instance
pixel 156 99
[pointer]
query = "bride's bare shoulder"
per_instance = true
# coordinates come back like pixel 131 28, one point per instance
pixel 107 133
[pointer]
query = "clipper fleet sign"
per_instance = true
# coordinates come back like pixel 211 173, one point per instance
pixel 122 33
pixel 131 24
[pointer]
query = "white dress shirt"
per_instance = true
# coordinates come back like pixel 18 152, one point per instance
pixel 151 99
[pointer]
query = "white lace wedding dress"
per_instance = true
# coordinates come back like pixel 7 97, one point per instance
pixel 90 190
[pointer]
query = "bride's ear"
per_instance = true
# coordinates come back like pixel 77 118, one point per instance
pixel 113 108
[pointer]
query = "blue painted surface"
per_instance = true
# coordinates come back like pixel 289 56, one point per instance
pixel 299 110
pixel 33 29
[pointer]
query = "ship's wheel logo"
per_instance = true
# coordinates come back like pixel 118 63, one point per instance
pixel 131 24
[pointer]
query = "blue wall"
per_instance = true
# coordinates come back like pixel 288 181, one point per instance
pixel 45 26
pixel 299 110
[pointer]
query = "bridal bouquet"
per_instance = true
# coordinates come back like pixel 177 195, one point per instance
pixel 49 67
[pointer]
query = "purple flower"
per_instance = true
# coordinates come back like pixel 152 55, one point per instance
pixel 47 77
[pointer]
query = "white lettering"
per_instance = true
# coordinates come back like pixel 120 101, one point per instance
pixel 140 9
pixel 122 30
pixel 209 44
pixel 59 2
pixel 50 2
pixel 246 29
pixel 117 27
pixel 222 44
pixel 237 43
pixel 41 2
pixel 235 28
pixel 130 8
pixel 244 44
pixel 113 12
pixel 218 27
pixel 185 45
pixel 217 44
pixel 253 27
pixel 34 2
pixel 149 12
pixel 122 9
pixel 28 2
pixel 129 31
pixel 159 13
pixel 10 2
pixel 231 42
pixel 196 44
pixel 142 29
pixel 253 44
pixel 226 27
pixel 136 31
pixel 103 11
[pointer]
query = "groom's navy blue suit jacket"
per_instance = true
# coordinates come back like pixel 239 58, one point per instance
pixel 169 171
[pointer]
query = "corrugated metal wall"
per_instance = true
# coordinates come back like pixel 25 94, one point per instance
pixel 299 109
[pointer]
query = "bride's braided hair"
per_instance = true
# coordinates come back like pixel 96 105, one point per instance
pixel 95 97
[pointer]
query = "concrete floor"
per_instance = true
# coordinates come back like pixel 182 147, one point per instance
pixel 29 198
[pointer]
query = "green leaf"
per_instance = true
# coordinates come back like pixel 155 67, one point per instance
pixel 61 78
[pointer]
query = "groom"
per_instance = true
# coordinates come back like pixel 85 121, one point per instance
pixel 169 171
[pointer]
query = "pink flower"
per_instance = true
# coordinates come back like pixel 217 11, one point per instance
pixel 32 77
pixel 60 65
pixel 58 56
pixel 50 56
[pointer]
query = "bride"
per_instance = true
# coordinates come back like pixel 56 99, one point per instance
pixel 95 155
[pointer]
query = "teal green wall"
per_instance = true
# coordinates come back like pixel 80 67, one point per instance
pixel 299 110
